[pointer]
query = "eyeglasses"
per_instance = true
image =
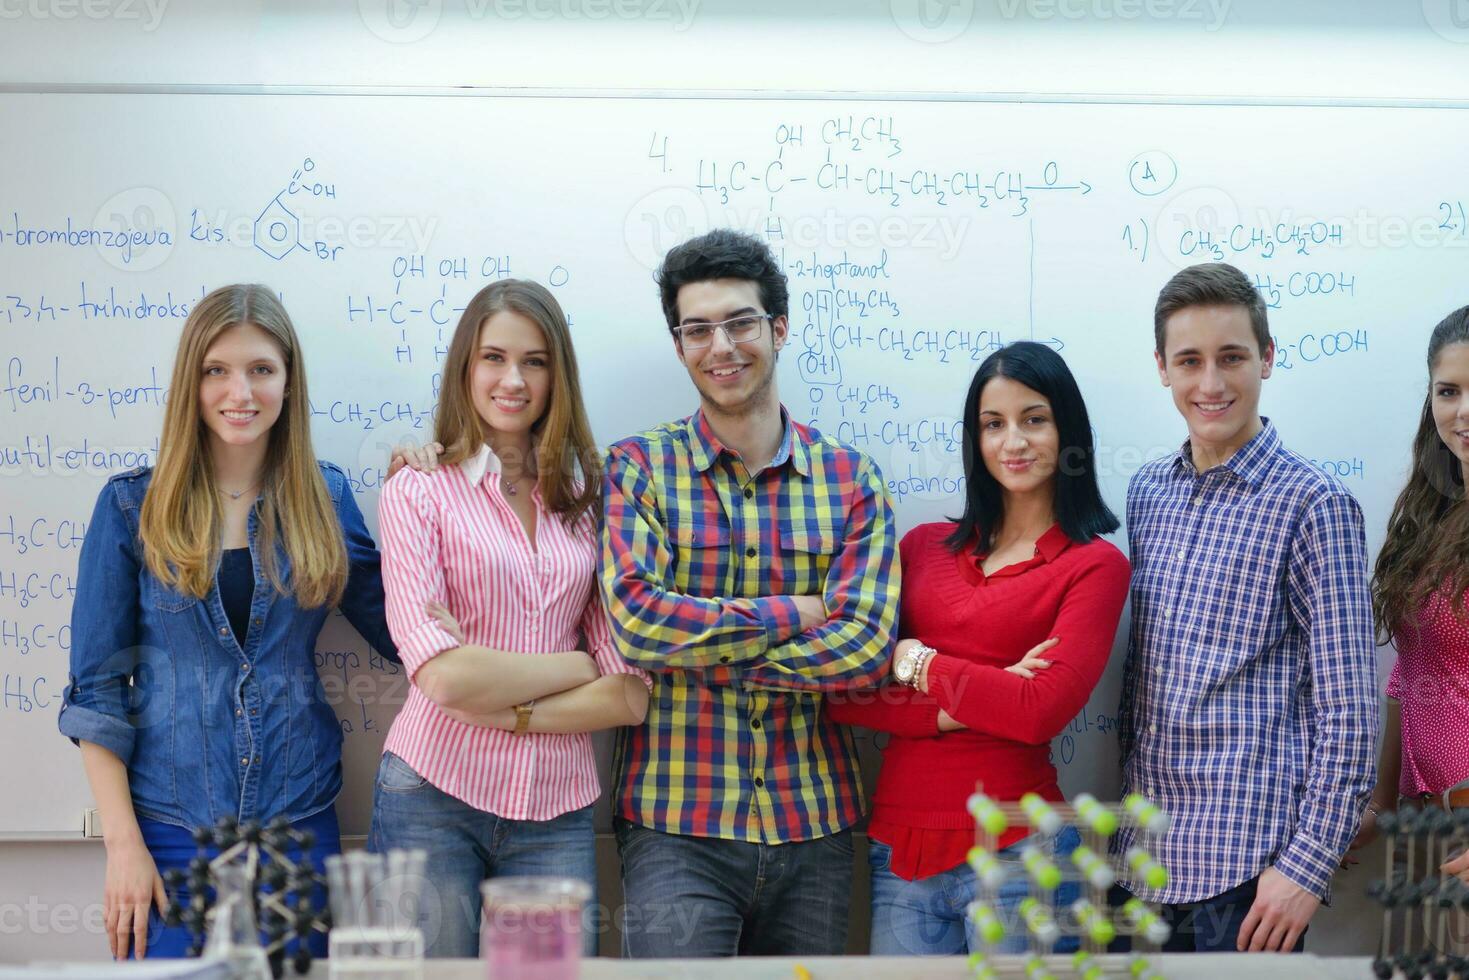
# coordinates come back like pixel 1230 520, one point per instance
pixel 740 330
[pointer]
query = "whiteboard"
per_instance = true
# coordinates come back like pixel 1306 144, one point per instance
pixel 918 237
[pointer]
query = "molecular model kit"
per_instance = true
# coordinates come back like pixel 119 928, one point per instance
pixel 1425 914
pixel 1088 919
pixel 261 872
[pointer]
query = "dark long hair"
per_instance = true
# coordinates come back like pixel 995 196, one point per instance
pixel 1427 542
pixel 1078 502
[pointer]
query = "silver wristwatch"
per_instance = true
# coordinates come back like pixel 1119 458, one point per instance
pixel 910 665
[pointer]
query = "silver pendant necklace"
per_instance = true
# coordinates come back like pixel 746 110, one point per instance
pixel 236 494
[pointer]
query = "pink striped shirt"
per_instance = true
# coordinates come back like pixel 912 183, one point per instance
pixel 451 536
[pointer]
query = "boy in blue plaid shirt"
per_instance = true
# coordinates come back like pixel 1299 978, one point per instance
pixel 1249 705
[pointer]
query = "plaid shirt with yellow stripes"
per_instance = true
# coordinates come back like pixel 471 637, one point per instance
pixel 700 559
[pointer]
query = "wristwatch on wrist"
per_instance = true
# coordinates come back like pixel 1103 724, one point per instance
pixel 522 716
pixel 910 666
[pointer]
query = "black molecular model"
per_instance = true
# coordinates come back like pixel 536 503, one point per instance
pixel 280 890
pixel 1424 911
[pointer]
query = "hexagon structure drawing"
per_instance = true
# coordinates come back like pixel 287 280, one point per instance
pixel 277 230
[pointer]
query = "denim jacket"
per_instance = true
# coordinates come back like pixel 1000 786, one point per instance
pixel 209 727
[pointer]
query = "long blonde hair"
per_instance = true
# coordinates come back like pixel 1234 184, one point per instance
pixel 181 518
pixel 564 448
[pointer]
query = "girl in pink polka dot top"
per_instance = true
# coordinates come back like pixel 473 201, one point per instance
pixel 1420 594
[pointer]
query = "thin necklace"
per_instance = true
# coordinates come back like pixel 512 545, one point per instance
pixel 237 494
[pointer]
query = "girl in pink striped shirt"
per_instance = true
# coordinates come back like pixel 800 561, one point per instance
pixel 489 563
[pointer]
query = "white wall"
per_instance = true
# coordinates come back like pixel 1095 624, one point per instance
pixel 1307 49
pixel 1244 49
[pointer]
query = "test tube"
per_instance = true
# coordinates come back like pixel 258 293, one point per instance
pixel 343 915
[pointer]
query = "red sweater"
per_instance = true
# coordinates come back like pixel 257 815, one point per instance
pixel 980 625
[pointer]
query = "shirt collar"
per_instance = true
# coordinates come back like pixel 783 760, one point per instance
pixel 706 447
pixel 1047 547
pixel 481 464
pixel 1250 462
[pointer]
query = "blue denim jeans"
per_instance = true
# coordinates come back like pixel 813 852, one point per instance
pixel 927 917
pixel 465 846
pixel 705 896
pixel 1207 926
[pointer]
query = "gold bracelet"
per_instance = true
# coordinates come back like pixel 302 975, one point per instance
pixel 522 716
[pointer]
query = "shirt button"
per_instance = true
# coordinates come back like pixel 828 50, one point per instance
pixel 749 494
pixel 1182 552
pixel 1158 669
pixel 223 631
pixel 754 722
pixel 750 552
pixel 245 761
pixel 239 712
pixel 725 659
pixel 258 620
pixel 1153 729
pixel 245 668
pixel 759 781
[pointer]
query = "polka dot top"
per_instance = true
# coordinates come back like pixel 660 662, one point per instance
pixel 1430 681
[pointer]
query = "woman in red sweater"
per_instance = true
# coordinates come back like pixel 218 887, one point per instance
pixel 1008 617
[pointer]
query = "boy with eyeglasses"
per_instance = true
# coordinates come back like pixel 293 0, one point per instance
pixel 749 564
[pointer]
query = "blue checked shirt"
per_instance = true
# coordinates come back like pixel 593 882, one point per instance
pixel 1249 704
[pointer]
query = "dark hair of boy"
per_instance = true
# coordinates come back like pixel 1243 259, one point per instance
pixel 1210 284
pixel 722 254
pixel 1078 502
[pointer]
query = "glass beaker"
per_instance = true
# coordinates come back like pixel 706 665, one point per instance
pixel 533 927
